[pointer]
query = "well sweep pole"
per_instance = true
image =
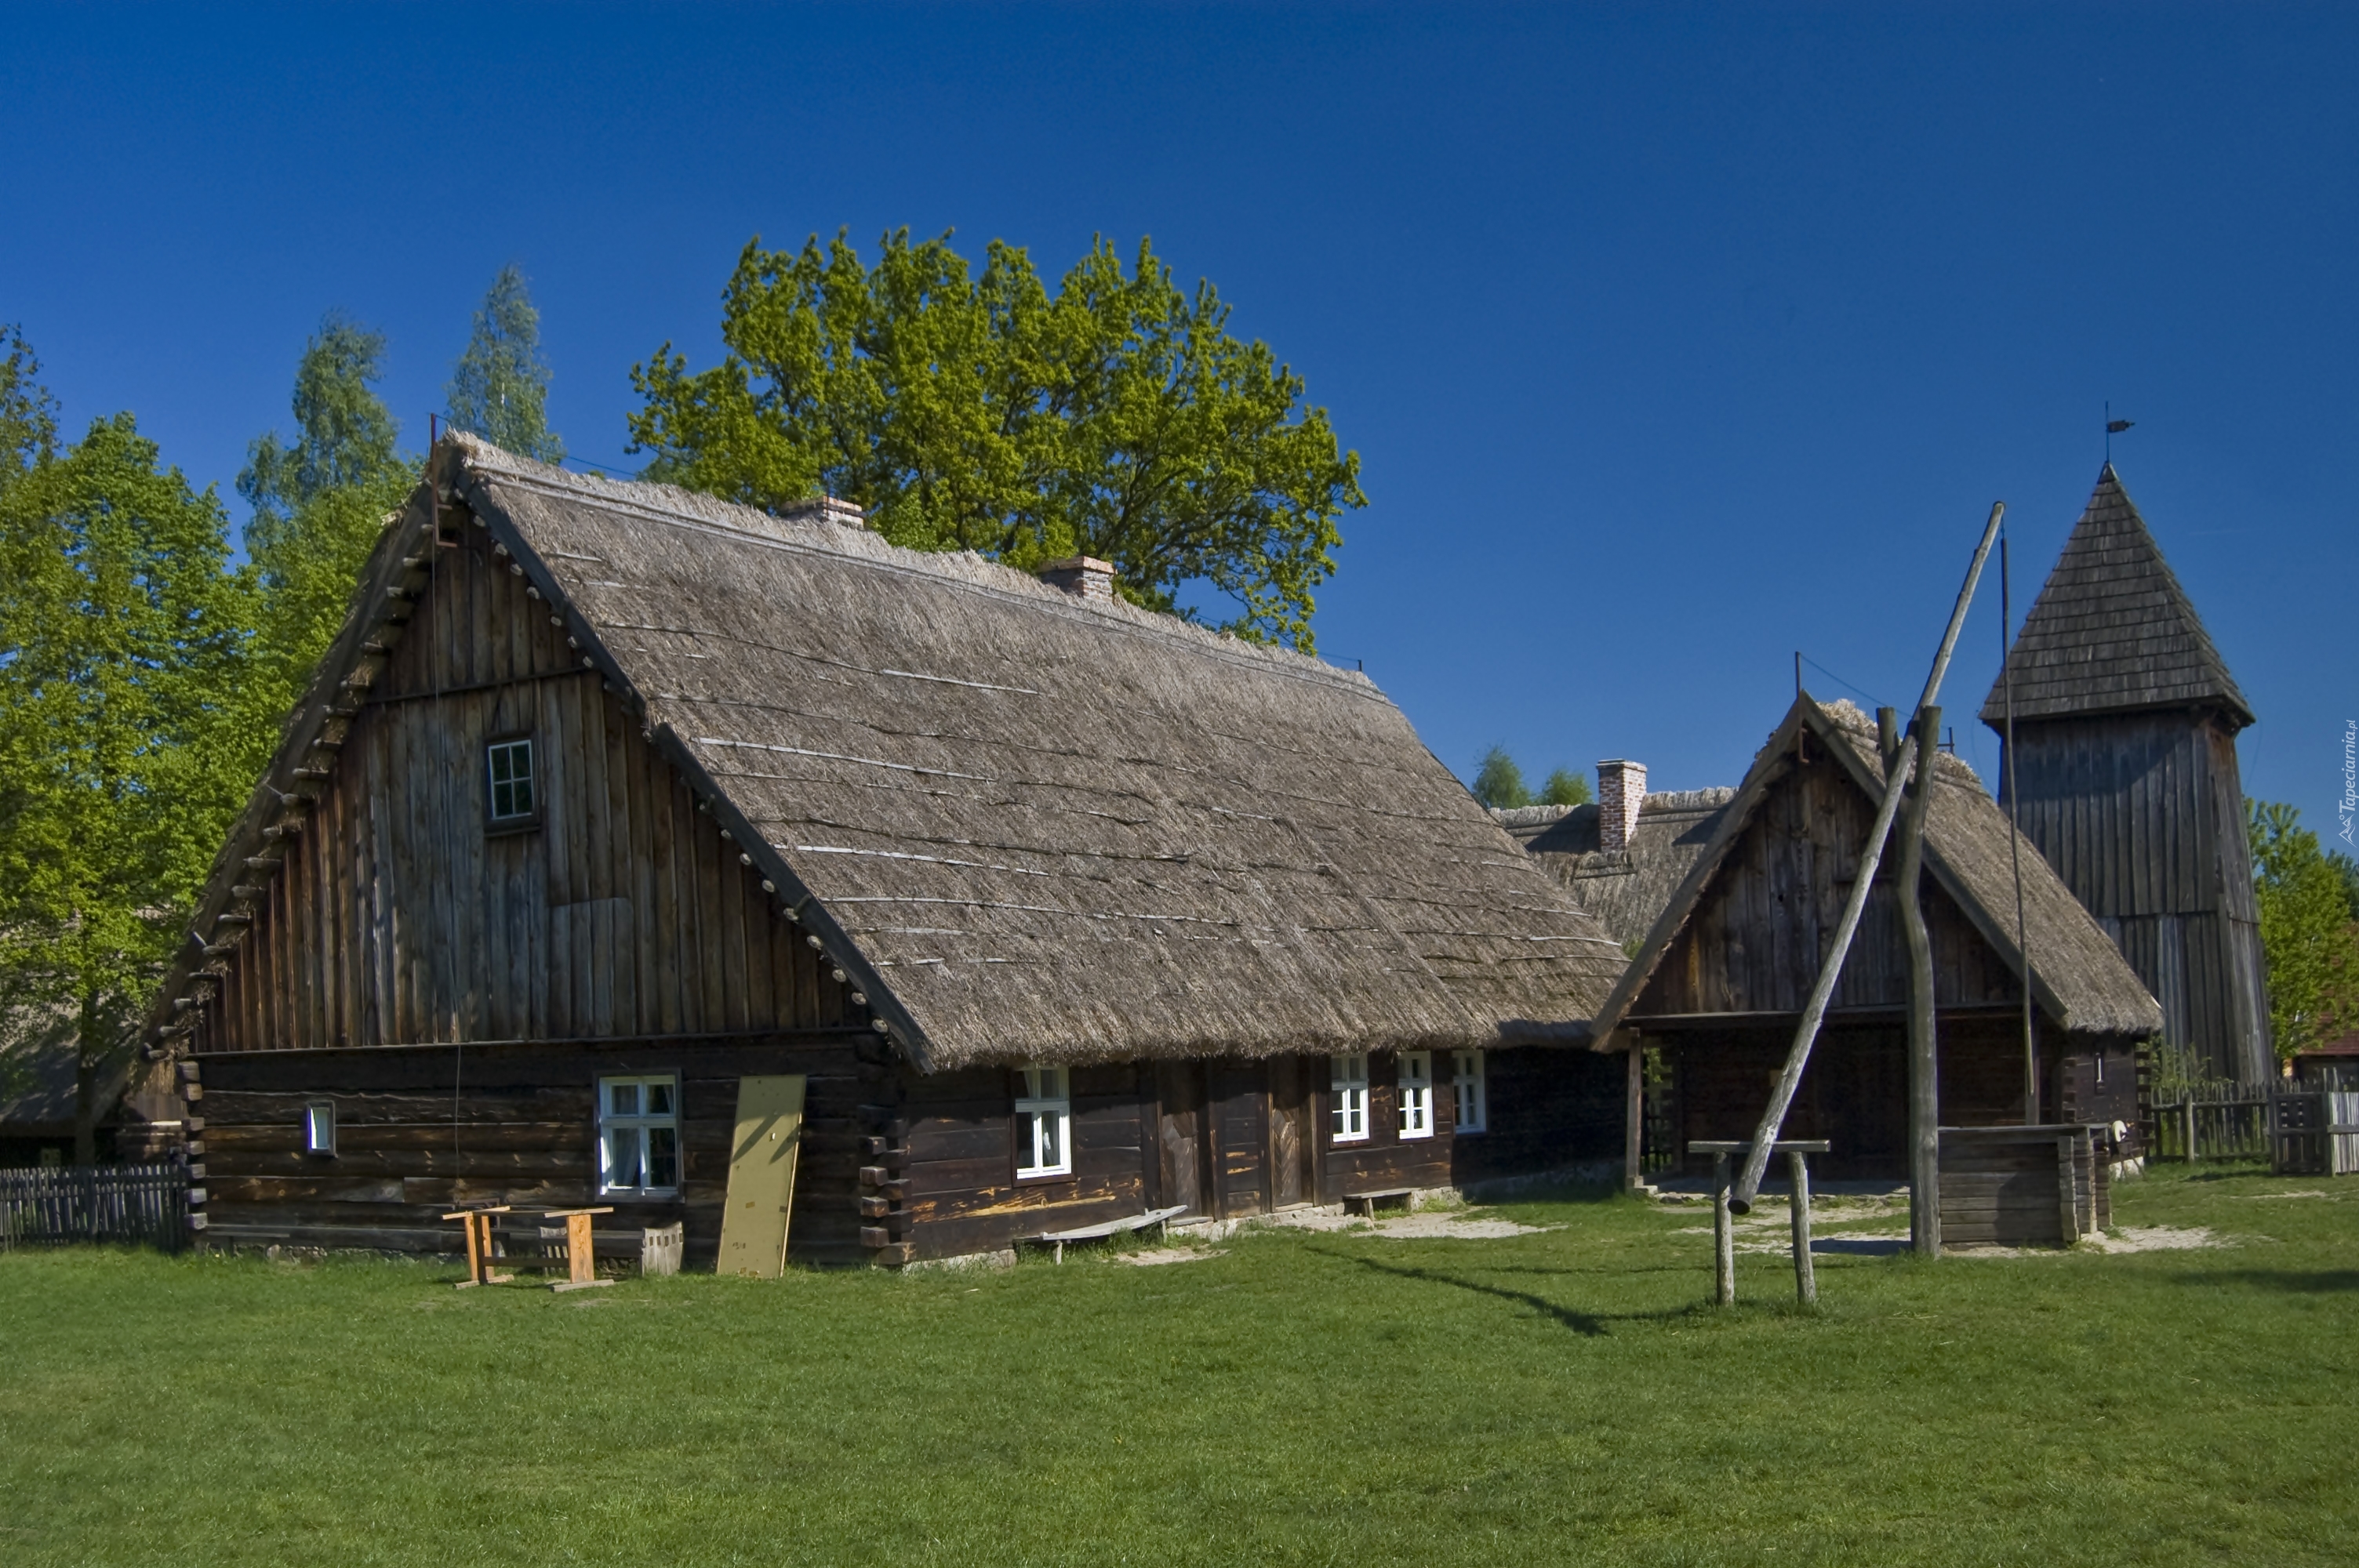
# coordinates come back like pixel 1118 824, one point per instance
pixel 1781 1098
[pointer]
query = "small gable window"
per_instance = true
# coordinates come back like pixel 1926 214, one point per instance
pixel 320 1128
pixel 1044 1122
pixel 515 796
pixel 1347 1085
pixel 1416 1086
pixel 1473 1096
pixel 638 1137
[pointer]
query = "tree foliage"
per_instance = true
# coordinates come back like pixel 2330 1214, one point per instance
pixel 1117 419
pixel 499 387
pixel 121 757
pixel 1499 783
pixel 1565 787
pixel 2308 930
pixel 318 505
pixel 28 414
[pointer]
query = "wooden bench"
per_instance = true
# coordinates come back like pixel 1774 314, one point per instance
pixel 1102 1230
pixel 1386 1198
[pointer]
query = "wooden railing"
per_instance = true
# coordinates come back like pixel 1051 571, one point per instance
pixel 2298 1129
pixel 49 1204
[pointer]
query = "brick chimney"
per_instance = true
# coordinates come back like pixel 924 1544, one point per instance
pixel 1620 786
pixel 1083 577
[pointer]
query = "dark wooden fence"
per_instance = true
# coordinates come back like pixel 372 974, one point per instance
pixel 2299 1129
pixel 57 1204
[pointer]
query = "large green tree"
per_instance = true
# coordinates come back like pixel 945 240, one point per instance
pixel 499 388
pixel 1118 417
pixel 2308 931
pixel 318 505
pixel 28 414
pixel 122 646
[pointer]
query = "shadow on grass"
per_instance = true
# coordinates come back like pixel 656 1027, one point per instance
pixel 2294 1281
pixel 1589 1324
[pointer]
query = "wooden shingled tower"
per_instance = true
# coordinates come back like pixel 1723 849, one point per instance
pixel 2125 721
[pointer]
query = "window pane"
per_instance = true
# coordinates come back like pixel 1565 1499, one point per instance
pixel 659 1099
pixel 622 1099
pixel 622 1157
pixel 663 1157
pixel 522 803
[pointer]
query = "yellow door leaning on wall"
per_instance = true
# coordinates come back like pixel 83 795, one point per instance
pixel 762 1176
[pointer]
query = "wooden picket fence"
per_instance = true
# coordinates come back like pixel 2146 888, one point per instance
pixel 52 1205
pixel 2299 1130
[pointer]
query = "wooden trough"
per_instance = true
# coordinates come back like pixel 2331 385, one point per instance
pixel 2043 1186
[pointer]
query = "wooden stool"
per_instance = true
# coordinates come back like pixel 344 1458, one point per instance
pixel 582 1262
pixel 478 1222
pixel 1723 1226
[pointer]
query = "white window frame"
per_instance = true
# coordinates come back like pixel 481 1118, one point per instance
pixel 509 749
pixel 320 1127
pixel 1413 1093
pixel 1044 1122
pixel 641 1124
pixel 1471 1087
pixel 1347 1098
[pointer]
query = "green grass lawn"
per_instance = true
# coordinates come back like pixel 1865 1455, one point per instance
pixel 1302 1398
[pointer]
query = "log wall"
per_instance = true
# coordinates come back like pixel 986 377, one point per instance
pixel 420 1131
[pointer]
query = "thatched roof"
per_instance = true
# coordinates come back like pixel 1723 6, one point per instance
pixel 2112 628
pixel 1625 889
pixel 1029 824
pixel 2079 978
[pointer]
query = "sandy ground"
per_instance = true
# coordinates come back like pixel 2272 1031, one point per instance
pixel 1149 1259
pixel 1436 1224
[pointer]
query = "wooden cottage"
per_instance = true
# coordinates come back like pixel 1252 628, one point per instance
pixel 1718 982
pixel 2125 721
pixel 612 799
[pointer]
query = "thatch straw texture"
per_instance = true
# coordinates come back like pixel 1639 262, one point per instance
pixel 2079 976
pixel 1053 827
pixel 1625 888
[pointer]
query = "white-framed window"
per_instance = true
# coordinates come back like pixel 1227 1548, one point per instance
pixel 1044 1122
pixel 638 1136
pixel 1415 1083
pixel 514 794
pixel 320 1128
pixel 1473 1096
pixel 1347 1096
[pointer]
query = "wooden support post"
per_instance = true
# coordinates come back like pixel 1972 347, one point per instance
pixel 1924 1052
pixel 2068 1197
pixel 2190 1105
pixel 1634 1117
pixel 1806 1280
pixel 1723 1236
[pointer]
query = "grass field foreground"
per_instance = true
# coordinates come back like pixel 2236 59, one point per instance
pixel 1303 1396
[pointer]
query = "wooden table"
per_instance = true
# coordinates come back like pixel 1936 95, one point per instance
pixel 478 1222
pixel 582 1262
pixel 1723 1226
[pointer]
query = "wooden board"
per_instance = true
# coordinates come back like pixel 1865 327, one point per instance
pixel 762 1175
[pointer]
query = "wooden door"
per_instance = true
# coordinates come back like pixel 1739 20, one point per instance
pixel 762 1175
pixel 1179 1135
pixel 1291 1142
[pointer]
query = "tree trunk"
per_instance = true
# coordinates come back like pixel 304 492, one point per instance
pixel 86 1065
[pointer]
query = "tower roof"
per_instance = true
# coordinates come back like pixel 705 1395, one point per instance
pixel 2112 628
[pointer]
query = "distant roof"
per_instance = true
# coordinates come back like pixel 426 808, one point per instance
pixel 2078 977
pixel 1029 825
pixel 2112 628
pixel 1625 888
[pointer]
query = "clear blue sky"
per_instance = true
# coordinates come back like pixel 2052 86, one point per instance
pixel 1672 341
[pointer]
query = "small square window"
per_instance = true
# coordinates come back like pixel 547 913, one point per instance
pixel 638 1137
pixel 515 798
pixel 1473 1096
pixel 1416 1086
pixel 320 1128
pixel 1347 1083
pixel 1044 1122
